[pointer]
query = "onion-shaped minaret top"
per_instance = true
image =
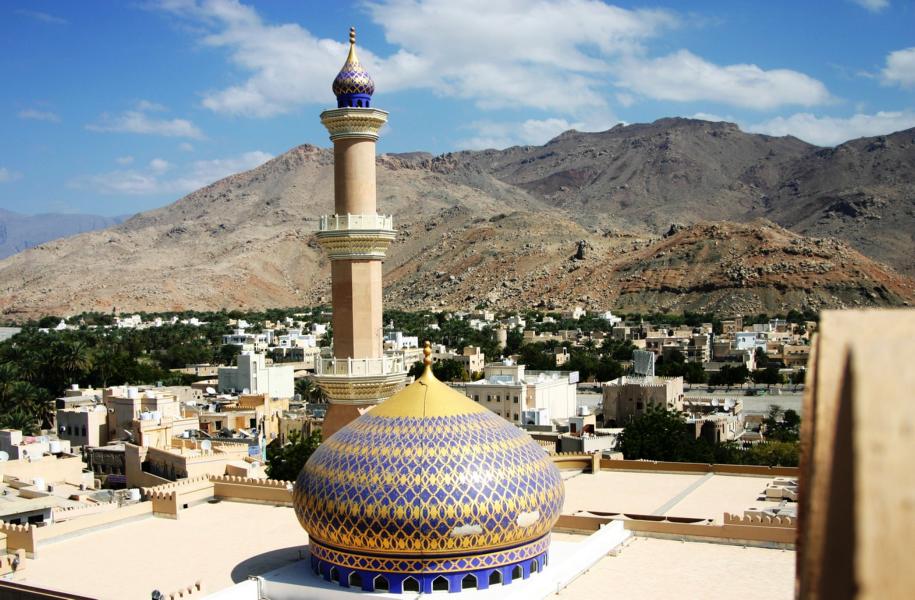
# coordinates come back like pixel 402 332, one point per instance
pixel 353 85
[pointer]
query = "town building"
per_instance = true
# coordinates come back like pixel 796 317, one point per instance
pixel 252 375
pixel 525 397
pixel 630 397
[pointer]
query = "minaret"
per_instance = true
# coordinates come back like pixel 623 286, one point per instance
pixel 359 375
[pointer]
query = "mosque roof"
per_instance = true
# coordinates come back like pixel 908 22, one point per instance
pixel 353 79
pixel 428 472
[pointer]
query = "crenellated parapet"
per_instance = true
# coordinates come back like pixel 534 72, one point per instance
pixel 761 519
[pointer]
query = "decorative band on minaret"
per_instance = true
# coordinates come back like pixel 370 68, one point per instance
pixel 356 239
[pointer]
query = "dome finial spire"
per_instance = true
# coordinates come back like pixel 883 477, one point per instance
pixel 427 361
pixel 352 36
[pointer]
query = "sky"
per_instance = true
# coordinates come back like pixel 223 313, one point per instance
pixel 115 107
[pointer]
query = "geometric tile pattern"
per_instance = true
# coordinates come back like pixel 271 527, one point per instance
pixel 433 564
pixel 464 483
pixel 353 79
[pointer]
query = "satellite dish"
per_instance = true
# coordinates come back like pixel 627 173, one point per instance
pixel 728 404
pixel 715 402
pixel 210 390
pixel 4 456
pixel 206 445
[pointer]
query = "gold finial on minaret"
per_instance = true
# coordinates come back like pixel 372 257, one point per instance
pixel 352 35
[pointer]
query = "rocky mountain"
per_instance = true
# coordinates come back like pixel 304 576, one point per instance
pixel 18 232
pixel 500 227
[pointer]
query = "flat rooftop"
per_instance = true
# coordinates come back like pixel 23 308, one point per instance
pixel 674 494
pixel 656 569
pixel 218 544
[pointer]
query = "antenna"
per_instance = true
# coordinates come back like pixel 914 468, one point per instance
pixel 715 402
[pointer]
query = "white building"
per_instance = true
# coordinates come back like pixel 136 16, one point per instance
pixel 253 376
pixel 512 392
pixel 396 340
pixel 610 318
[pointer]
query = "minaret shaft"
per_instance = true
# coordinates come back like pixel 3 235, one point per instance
pixel 354 176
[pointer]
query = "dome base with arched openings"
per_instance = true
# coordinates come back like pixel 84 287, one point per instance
pixel 426 581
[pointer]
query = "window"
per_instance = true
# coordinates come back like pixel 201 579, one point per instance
pixel 468 582
pixel 355 580
pixel 495 577
pixel 381 583
pixel 516 399
pixel 488 398
pixel 410 585
pixel 515 417
pixel 439 584
pixel 638 406
pixel 476 397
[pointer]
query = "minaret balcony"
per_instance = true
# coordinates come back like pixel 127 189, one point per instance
pixel 360 380
pixel 353 237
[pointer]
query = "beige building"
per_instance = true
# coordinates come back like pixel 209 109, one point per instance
pixel 629 397
pixel 84 425
pixel 254 376
pixel 525 397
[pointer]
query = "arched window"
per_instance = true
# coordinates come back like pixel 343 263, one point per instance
pixel 534 566
pixel 495 577
pixel 359 103
pixel 517 572
pixel 410 585
pixel 355 580
pixel 334 575
pixel 468 582
pixel 380 584
pixel 439 584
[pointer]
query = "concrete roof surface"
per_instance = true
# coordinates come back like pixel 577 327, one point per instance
pixel 656 569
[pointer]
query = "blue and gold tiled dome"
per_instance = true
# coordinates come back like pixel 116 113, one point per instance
pixel 428 490
pixel 353 85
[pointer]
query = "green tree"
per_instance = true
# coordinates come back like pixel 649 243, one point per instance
pixel 695 373
pixel 285 461
pixel 658 434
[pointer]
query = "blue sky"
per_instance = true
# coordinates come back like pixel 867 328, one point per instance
pixel 116 107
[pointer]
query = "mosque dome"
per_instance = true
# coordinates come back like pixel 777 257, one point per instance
pixel 428 490
pixel 353 85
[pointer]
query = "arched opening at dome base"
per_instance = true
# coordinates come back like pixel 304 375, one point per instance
pixel 355 580
pixel 410 585
pixel 334 575
pixel 495 578
pixel 468 582
pixel 380 584
pixel 517 573
pixel 439 584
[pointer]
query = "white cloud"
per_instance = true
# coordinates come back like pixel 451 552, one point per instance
pixel 39 115
pixel 186 147
pixel 151 181
pixel 41 16
pixel 685 77
pixel 900 68
pixel 147 106
pixel 139 121
pixel 543 54
pixel 159 166
pixel 6 175
pixel 124 160
pixel 874 6
pixel 561 57
pixel 830 131
pixel 490 134
pixel 704 116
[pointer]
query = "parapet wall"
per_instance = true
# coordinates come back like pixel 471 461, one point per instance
pixel 748 530
pixel 682 467
pixel 267 491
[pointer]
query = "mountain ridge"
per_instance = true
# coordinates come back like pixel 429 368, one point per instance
pixel 248 240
